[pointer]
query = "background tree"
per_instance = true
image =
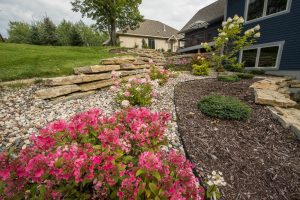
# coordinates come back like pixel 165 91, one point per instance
pixel 75 37
pixel 48 32
pixel 110 15
pixel 34 34
pixel 63 33
pixel 18 32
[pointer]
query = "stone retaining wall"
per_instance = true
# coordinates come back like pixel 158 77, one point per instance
pixel 88 79
pixel 184 58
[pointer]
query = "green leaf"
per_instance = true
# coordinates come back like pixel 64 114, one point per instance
pixel 156 175
pixel 157 198
pixel 58 163
pixel 140 171
pixel 153 187
pixel 42 190
pixel 148 193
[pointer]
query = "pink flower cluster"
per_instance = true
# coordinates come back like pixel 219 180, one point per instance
pixel 137 91
pixel 98 157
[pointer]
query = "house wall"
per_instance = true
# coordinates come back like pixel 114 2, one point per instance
pixel 284 27
pixel 131 41
pixel 198 36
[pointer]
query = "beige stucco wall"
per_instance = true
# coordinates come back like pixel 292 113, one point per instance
pixel 131 41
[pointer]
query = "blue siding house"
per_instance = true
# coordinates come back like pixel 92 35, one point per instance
pixel 278 49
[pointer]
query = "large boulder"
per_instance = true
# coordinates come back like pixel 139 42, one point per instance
pixel 269 84
pixel 69 80
pixel 273 98
pixel 96 69
pixel 56 91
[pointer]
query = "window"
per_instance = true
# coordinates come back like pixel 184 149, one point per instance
pixel 256 9
pixel 268 56
pixel 249 57
pixel 262 55
pixel 151 43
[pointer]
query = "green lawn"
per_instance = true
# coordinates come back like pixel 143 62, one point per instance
pixel 21 61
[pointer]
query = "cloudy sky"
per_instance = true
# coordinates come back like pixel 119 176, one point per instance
pixel 172 12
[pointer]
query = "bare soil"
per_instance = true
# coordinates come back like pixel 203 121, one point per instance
pixel 260 159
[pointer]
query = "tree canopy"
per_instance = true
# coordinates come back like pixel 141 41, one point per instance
pixel 110 15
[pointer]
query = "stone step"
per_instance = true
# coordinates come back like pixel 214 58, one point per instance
pixel 52 92
pixel 73 96
pixel 273 98
pixel 96 85
pixel 69 80
pixel 96 69
pixel 117 60
pixel 129 66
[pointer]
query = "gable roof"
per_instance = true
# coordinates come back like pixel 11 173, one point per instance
pixel 152 28
pixel 206 15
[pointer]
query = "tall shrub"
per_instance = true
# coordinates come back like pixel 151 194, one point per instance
pixel 18 32
pixel 48 32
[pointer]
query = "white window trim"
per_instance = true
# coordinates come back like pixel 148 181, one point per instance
pixel 280 44
pixel 287 10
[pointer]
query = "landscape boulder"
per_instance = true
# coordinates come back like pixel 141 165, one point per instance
pixel 52 92
pixel 273 98
pixel 96 69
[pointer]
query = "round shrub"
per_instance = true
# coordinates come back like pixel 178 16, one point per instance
pixel 224 107
pixel 228 78
pixel 245 75
pixel 201 70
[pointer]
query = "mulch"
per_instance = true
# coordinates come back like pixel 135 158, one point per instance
pixel 258 157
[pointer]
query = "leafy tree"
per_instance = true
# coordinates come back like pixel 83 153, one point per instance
pixel 110 15
pixel 18 32
pixel 90 36
pixel 75 37
pixel 48 32
pixel 63 32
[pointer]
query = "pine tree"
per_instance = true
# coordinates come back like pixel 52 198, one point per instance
pixel 75 37
pixel 34 35
pixel 48 32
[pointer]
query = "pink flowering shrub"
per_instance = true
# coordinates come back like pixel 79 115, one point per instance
pixel 162 75
pixel 98 157
pixel 135 92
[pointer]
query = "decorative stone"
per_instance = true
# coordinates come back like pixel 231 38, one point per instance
pixel 117 60
pixel 273 98
pixel 96 85
pixel 288 117
pixel 96 69
pixel 69 80
pixel 295 85
pixel 131 72
pixel 56 91
pixel 132 66
pixel 267 84
pixel 73 96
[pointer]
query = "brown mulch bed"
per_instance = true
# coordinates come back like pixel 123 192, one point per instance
pixel 258 157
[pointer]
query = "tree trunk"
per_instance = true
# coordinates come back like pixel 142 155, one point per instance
pixel 113 34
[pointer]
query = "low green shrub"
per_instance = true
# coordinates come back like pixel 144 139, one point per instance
pixel 228 78
pixel 201 70
pixel 245 75
pixel 257 72
pixel 224 107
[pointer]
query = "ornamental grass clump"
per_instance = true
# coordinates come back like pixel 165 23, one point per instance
pixel 134 92
pixel 94 156
pixel 224 107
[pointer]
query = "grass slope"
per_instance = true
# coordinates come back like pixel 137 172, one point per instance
pixel 21 61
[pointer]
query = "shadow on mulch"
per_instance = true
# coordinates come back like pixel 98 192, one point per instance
pixel 258 157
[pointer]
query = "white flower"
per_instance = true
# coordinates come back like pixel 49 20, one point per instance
pixel 257 35
pixel 257 27
pixel 222 34
pixel 229 20
pixel 224 24
pixel 240 20
pixel 236 17
pixel 125 103
pixel 252 30
pixel 231 26
pixel 214 54
pixel 214 173
pixel 210 183
pixel 226 39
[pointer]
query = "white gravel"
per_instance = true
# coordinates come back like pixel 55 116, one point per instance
pixel 21 114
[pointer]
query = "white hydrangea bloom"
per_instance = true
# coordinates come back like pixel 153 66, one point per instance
pixel 229 20
pixel 241 20
pixel 224 24
pixel 257 35
pixel 236 17
pixel 222 34
pixel 257 27
pixel 231 26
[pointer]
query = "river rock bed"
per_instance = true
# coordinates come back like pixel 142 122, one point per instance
pixel 21 114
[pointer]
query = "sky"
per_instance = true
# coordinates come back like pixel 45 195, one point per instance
pixel 175 13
